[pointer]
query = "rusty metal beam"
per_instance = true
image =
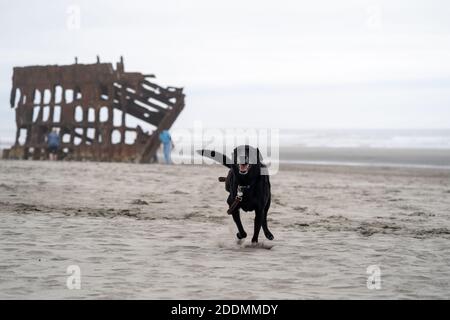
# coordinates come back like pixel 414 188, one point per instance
pixel 80 100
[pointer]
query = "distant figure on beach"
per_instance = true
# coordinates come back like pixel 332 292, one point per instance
pixel 166 140
pixel 53 144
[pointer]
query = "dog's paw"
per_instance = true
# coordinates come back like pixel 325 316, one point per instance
pixel 254 240
pixel 269 236
pixel 241 235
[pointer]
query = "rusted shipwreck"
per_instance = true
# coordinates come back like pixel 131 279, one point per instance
pixel 101 113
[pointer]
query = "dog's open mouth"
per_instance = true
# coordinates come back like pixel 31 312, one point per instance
pixel 243 168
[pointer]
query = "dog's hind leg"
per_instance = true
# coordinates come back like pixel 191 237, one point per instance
pixel 237 219
pixel 267 233
pixel 258 221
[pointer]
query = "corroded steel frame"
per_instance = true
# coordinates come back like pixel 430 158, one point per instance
pixel 90 104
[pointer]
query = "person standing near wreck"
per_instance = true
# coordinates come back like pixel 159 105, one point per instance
pixel 166 140
pixel 53 144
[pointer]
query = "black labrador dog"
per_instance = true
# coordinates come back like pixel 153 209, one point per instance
pixel 248 188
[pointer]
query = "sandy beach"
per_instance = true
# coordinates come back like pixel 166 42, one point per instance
pixel 156 231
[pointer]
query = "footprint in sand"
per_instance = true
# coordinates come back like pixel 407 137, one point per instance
pixel 179 192
pixel 139 202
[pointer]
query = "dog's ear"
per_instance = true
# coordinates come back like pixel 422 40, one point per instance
pixel 254 155
pixel 260 157
pixel 234 155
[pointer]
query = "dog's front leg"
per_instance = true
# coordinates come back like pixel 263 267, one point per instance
pixel 265 228
pixel 237 219
pixel 258 222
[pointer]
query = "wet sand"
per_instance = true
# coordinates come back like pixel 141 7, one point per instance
pixel 365 156
pixel 155 231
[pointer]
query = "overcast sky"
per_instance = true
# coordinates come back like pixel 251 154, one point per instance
pixel 278 64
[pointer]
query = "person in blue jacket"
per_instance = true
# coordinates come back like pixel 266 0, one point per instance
pixel 166 140
pixel 53 144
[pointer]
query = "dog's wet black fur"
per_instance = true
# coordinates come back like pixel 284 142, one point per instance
pixel 254 185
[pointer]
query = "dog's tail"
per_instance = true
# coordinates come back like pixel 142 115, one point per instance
pixel 216 156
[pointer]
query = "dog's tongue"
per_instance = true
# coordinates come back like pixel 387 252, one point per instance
pixel 243 167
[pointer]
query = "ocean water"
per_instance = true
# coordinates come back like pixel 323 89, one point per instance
pixel 401 147
pixel 367 138
pixel 325 138
pixel 334 138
